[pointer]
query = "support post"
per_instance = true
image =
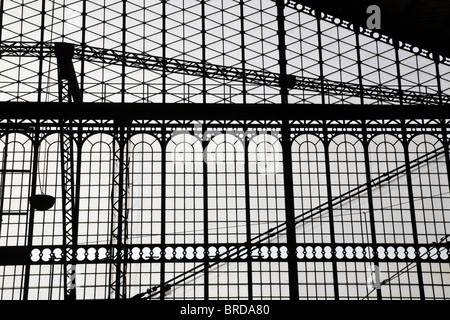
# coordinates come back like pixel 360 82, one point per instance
pixel 69 91
pixel 290 211
pixel 119 218
pixel 68 206
pixel 412 209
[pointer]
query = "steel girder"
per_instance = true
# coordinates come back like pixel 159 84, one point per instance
pixel 197 68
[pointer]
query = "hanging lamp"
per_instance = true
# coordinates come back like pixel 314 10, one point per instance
pixel 42 201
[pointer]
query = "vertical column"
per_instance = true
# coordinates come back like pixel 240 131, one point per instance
pixel 204 91
pixel 76 202
pixel 41 54
pixel 114 218
pixel 412 209
pixel 205 208
pixel 68 91
pixel 83 44
pixel 119 214
pixel 244 88
pixel 163 141
pixel 164 75
pixel 29 243
pixel 124 49
pixel 320 48
pixel 290 210
pixel 359 62
pixel 282 53
pixel 67 197
pixel 326 143
pixel 399 77
pixel 247 214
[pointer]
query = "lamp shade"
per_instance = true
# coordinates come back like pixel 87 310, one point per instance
pixel 42 202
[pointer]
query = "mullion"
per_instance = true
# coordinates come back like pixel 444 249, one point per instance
pixel 271 284
pixel 425 209
pixel 349 184
pixel 152 189
pixel 259 187
pixel 28 241
pixel 383 158
pixel 110 216
pixel 265 186
pixel 422 209
pixel 310 187
pixel 277 177
pixel 237 198
pixel 205 173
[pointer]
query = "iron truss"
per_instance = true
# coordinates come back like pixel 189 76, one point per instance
pixel 258 77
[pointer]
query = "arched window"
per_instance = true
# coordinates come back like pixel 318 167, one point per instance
pixel 16 158
pixel 350 211
pixel 266 185
pixel 184 215
pixel 95 213
pixel 310 199
pixel 144 208
pixel 47 281
pixel 267 210
pixel 310 189
pixel 390 198
pixel 227 213
pixel 392 212
pixel 184 190
pixel 347 171
pixel 430 188
pixel 15 165
pixel 144 203
pixel 226 190
pixel 96 188
pixel 48 226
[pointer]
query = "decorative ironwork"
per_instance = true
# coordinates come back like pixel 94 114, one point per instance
pixel 231 178
pixel 246 221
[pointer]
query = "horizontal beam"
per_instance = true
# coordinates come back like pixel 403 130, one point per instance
pixel 156 111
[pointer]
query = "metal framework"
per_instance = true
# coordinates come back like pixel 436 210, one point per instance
pixel 201 52
pixel 389 223
pixel 210 71
pixel 238 176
